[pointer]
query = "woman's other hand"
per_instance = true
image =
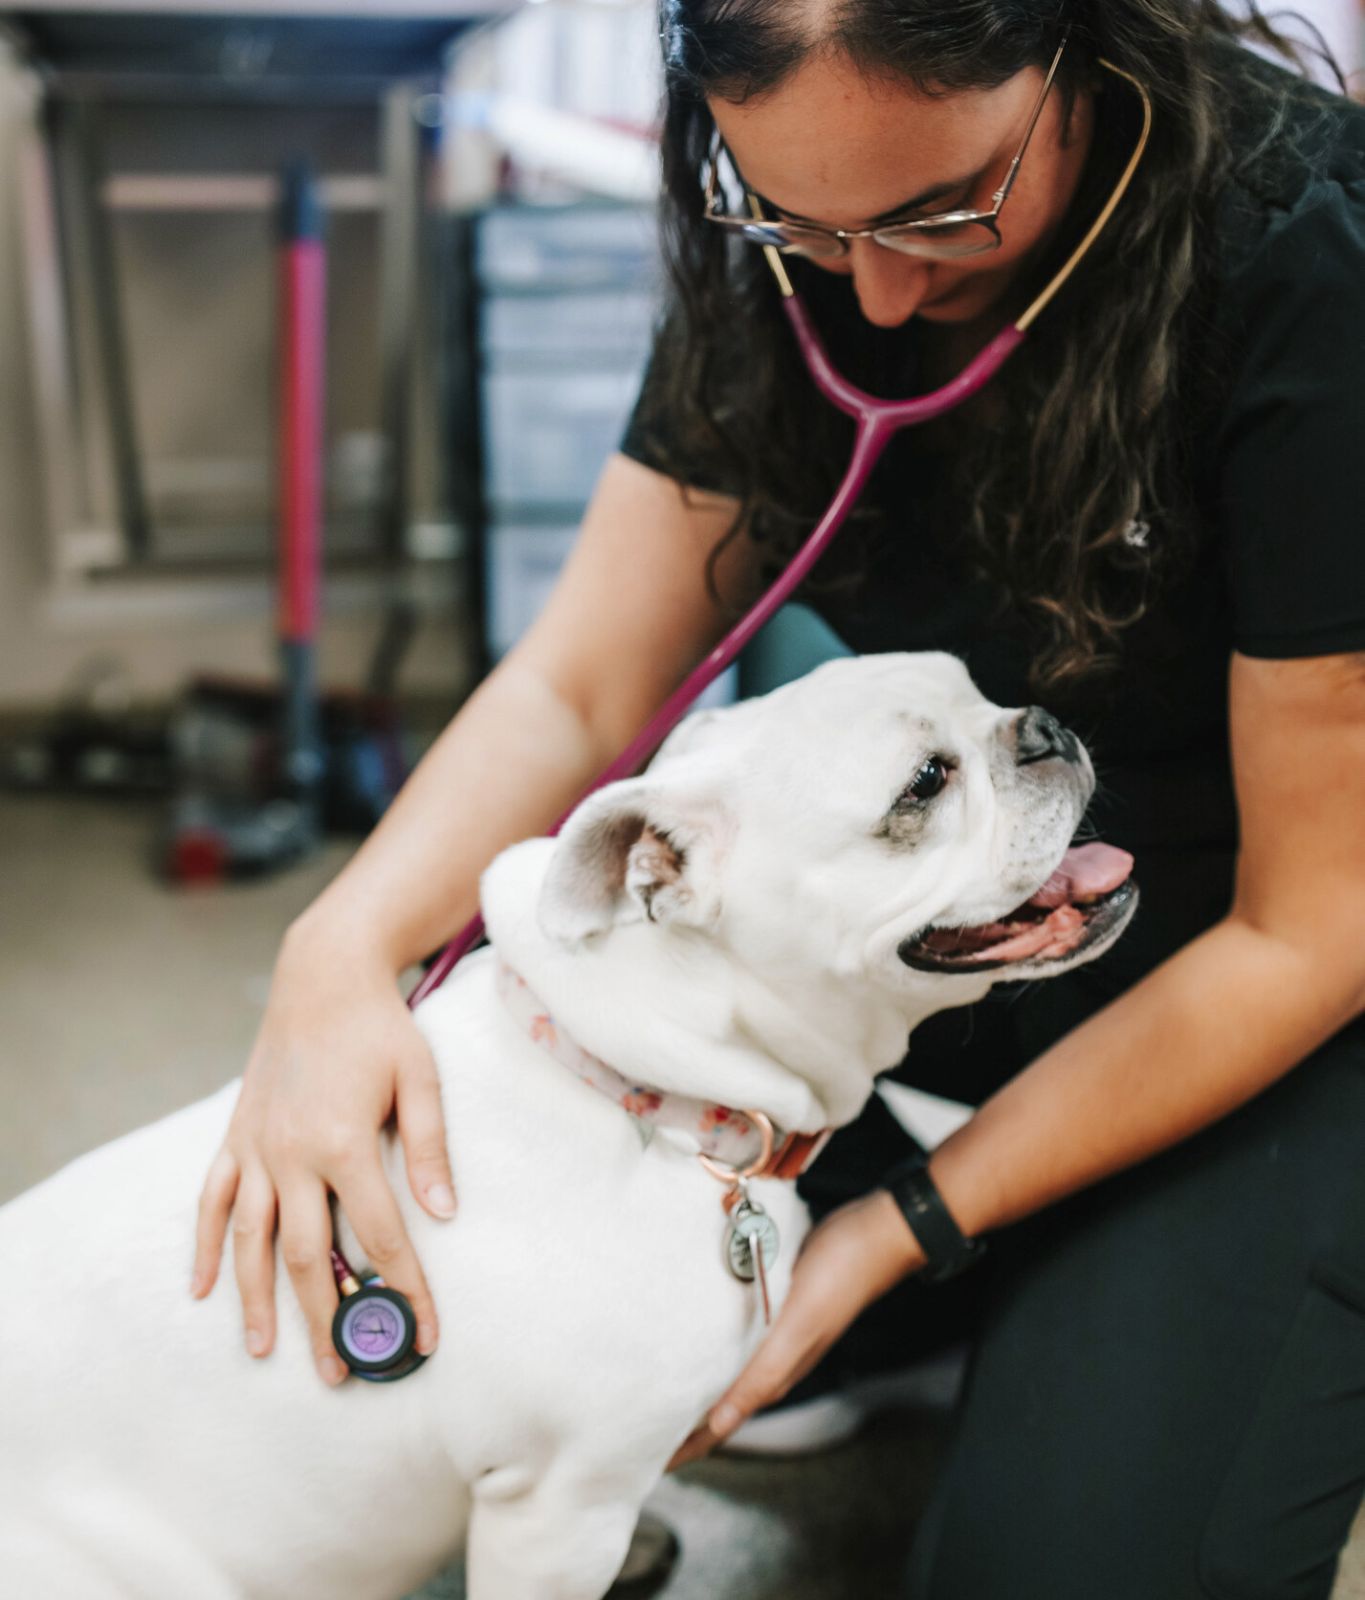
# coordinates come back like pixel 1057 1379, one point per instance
pixel 338 1052
pixel 852 1258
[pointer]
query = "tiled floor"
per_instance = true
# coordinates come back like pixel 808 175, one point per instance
pixel 120 1000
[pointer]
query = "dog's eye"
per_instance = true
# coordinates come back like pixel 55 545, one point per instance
pixel 929 780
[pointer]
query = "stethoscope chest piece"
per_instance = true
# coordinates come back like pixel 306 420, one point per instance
pixel 374 1331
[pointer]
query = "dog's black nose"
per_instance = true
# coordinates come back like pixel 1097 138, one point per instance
pixel 1040 737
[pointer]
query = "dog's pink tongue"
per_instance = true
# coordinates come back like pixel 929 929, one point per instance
pixel 1084 873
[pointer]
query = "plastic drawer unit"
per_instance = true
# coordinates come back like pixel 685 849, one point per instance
pixel 568 298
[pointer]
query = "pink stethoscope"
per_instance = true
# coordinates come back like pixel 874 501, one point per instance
pixel 878 422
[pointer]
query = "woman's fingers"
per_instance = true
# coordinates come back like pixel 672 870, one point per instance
pixel 365 1196
pixel 215 1207
pixel 253 1255
pixel 782 1360
pixel 305 1246
pixel 784 1357
pixel 854 1256
pixel 336 1054
pixel 700 1442
pixel 422 1130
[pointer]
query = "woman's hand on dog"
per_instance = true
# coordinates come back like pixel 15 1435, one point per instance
pixel 852 1258
pixel 338 1053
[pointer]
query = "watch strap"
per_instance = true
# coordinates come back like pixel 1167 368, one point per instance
pixel 947 1250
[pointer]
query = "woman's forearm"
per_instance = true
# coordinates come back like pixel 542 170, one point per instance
pixel 1209 1029
pixel 512 761
pixel 1219 1021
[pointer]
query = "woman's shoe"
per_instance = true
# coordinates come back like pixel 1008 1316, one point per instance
pixel 826 1409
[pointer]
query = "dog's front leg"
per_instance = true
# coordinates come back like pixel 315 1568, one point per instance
pixel 548 1539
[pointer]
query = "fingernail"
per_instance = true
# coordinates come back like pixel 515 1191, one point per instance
pixel 255 1341
pixel 331 1369
pixel 724 1419
pixel 426 1338
pixel 441 1200
pixel 197 1284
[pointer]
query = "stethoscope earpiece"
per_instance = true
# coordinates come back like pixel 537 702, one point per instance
pixel 374 1329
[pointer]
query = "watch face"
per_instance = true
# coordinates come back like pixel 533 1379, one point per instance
pixel 372 1328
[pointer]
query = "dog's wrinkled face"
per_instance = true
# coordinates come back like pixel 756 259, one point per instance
pixel 878 817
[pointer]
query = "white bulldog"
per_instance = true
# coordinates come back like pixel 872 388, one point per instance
pixel 759 922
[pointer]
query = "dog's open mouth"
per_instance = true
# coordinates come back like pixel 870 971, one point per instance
pixel 1090 892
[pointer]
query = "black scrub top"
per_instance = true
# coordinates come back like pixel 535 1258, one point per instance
pixel 1279 570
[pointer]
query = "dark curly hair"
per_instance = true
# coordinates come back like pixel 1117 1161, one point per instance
pixel 1092 430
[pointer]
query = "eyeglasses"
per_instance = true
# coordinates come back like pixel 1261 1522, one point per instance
pixel 946 236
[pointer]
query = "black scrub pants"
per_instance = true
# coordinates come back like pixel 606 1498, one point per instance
pixel 1166 1396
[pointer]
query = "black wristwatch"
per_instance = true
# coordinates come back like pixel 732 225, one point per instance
pixel 946 1251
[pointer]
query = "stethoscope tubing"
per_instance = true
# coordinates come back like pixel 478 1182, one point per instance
pixel 882 418
pixel 878 421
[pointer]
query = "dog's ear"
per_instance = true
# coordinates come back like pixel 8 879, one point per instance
pixel 635 851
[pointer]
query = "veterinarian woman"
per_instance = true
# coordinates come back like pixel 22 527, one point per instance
pixel 1150 522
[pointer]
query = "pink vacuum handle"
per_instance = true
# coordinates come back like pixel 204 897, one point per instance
pixel 303 277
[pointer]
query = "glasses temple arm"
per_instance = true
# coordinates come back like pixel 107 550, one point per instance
pixel 1002 193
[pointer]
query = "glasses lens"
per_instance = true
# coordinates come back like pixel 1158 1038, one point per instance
pixel 941 241
pixel 793 240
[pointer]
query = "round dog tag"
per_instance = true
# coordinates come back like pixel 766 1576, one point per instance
pixel 374 1331
pixel 751 1227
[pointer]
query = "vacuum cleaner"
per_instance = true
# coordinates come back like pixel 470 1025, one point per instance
pixel 262 768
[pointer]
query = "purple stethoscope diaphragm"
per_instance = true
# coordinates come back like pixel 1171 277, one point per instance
pixel 373 1330
pixel 388 1326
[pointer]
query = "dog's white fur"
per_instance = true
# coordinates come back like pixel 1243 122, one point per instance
pixel 726 926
